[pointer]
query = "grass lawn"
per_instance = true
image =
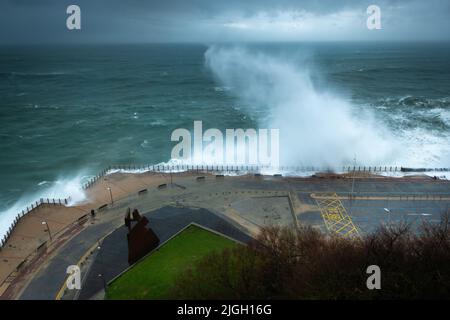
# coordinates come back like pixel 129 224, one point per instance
pixel 152 277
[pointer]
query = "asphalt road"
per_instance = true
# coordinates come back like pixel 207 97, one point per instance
pixel 112 257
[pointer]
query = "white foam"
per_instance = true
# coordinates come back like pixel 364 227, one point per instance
pixel 68 187
pixel 423 149
pixel 316 126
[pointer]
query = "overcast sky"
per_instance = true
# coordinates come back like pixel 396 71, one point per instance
pixel 117 21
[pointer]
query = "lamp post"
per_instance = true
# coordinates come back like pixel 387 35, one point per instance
pixel 389 214
pixel 350 209
pixel 353 178
pixel 48 229
pixel 100 275
pixel 110 194
pixel 103 281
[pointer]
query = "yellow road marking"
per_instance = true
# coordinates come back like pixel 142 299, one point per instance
pixel 335 217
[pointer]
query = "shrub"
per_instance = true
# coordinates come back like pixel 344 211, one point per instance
pixel 303 263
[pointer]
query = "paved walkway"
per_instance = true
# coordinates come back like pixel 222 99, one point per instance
pixel 221 195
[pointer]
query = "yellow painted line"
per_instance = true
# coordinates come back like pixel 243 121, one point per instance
pixel 64 286
pixel 335 216
pixel 86 254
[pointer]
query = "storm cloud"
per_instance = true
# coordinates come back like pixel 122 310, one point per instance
pixel 115 21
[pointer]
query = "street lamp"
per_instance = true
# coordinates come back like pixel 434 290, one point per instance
pixel 110 194
pixel 354 173
pixel 48 229
pixel 103 281
pixel 389 214
pixel 100 275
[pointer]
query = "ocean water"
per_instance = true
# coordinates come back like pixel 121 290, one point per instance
pixel 67 112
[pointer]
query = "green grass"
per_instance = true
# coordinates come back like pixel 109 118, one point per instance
pixel 153 277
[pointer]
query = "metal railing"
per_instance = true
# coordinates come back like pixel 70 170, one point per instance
pixel 256 169
pixel 218 169
pixel 40 250
pixel 221 169
pixel 28 209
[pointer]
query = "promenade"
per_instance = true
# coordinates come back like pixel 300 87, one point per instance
pixel 33 267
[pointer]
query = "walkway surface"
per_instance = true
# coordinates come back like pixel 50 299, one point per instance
pixel 245 201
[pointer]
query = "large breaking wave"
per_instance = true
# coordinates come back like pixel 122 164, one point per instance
pixel 317 126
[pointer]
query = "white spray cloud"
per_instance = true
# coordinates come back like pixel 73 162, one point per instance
pixel 316 127
pixel 60 189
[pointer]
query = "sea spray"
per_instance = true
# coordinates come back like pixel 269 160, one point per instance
pixel 316 127
pixel 68 187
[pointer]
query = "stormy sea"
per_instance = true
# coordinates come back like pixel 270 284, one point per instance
pixel 67 112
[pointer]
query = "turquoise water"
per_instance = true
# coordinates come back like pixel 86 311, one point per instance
pixel 67 112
